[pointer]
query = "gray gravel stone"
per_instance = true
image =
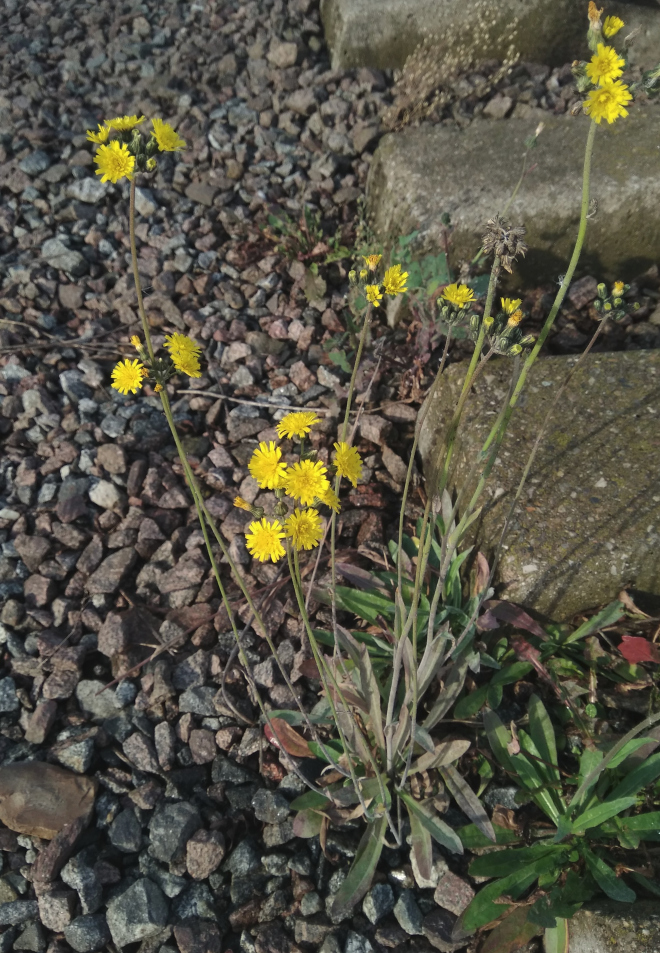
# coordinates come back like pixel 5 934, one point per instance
pixel 145 204
pixel 35 163
pixel 79 874
pixel 270 806
pixel 59 256
pixel 96 699
pixel 126 832
pixel 408 914
pixel 356 943
pixel 18 911
pixel 89 190
pixel 378 902
pixel 243 860
pixel 88 934
pixel 170 828
pixel 8 697
pixel 137 913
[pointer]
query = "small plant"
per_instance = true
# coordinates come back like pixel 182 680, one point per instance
pixel 305 239
pixel 596 814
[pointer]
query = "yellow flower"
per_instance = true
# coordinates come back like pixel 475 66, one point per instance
pixel 331 499
pixel 100 136
pixel 373 294
pixel 617 289
pixel 459 295
pixel 124 123
pixel 168 140
pixel 515 319
pixel 304 528
pixel 372 261
pixel 127 376
pixel 306 481
pixel 364 273
pixel 605 66
pixel 611 26
pixel 114 162
pixel 266 466
pixel 348 462
pixel 158 388
pixel 181 344
pixel 241 503
pixel 394 280
pixel 187 363
pixel 509 305
pixel 608 102
pixel 135 341
pixel 297 424
pixel 263 540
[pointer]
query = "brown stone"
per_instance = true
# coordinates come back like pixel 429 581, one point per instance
pixel 197 936
pixel 32 550
pixel 40 721
pixel 112 458
pixel 71 296
pixel 205 852
pixel 453 893
pixel 41 799
pixel 39 591
pixel 202 746
pixel 53 857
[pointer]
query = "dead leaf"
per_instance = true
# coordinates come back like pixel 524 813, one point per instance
pixel 282 735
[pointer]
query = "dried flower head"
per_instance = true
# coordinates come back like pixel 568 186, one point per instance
pixel 594 15
pixel 505 240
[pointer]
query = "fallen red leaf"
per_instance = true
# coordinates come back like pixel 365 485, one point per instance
pixel 282 735
pixel 636 649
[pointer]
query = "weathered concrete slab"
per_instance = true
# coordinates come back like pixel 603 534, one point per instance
pixel 418 174
pixel 624 927
pixel 383 33
pixel 588 522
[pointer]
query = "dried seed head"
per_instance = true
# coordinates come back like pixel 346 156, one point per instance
pixel 505 240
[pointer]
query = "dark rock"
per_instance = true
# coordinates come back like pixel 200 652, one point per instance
pixel 107 578
pixel 270 806
pixel 170 828
pixel 88 934
pixel 378 902
pixel 137 914
pixel 125 832
pixel 198 936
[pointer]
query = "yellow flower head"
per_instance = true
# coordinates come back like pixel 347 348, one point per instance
pixel 594 16
pixel 364 273
pixel 348 462
pixel 266 466
pixel 509 305
pixel 617 289
pixel 297 424
pixel 372 261
pixel 100 136
pixel 605 66
pixel 127 376
pixel 114 162
pixel 394 281
pixel 181 344
pixel 304 529
pixel 331 499
pixel 241 504
pixel 458 295
pixel 608 102
pixel 124 123
pixel 515 319
pixel 306 481
pixel 187 364
pixel 611 26
pixel 158 388
pixel 263 540
pixel 373 294
pixel 168 140
pixel 135 341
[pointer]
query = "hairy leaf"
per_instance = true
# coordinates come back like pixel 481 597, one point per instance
pixel 362 869
pixel 467 800
pixel 472 837
pixel 452 689
pixel 641 776
pixel 500 863
pixel 437 828
pixel 483 909
pixel 310 799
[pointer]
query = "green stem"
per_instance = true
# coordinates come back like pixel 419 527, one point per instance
pixel 136 273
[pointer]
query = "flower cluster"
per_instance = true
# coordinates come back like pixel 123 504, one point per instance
pixel 306 484
pixel 128 376
pixel 502 331
pixel 453 305
pixel 122 157
pixel 392 283
pixel 607 95
pixel 612 303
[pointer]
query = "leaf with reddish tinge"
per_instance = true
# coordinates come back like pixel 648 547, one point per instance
pixel 514 615
pixel 636 649
pixel 283 736
pixel 512 933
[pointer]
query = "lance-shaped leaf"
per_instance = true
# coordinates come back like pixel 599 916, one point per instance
pixel 607 880
pixel 422 846
pixel 601 813
pixel 607 616
pixel 543 736
pixel 467 800
pixel 484 909
pixel 437 828
pixel 307 824
pixel 452 689
pixel 362 869
pixel 443 753
pixel 283 736
pixel 556 938
pixel 368 684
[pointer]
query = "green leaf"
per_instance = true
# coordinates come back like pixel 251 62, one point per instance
pixel 467 800
pixel 543 735
pixel 472 703
pixel 307 824
pixel 607 616
pixel 297 718
pixel 603 812
pixel 310 799
pixel 483 909
pixel 607 880
pixel 639 823
pixel 472 837
pixel 362 869
pixel 367 605
pixel 334 747
pixel 498 738
pixel 437 828
pixel 422 846
pixel 627 750
pixel 339 359
pixel 644 882
pixel 499 863
pixel 643 775
pixel 556 938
